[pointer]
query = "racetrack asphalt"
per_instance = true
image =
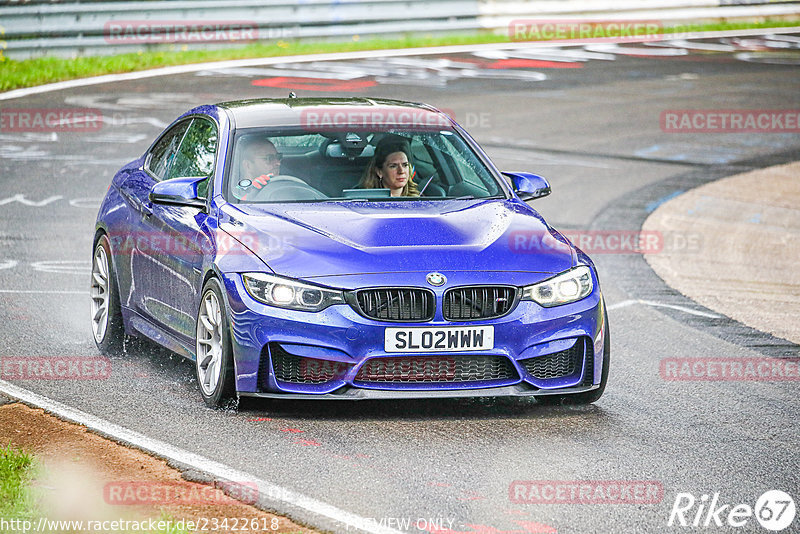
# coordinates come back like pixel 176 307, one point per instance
pixel 589 119
pixel 753 221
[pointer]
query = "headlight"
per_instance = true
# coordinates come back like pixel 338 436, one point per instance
pixel 288 293
pixel 564 288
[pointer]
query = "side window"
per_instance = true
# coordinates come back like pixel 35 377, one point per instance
pixel 195 155
pixel 163 154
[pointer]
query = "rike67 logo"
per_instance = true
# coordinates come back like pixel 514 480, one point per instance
pixel 775 510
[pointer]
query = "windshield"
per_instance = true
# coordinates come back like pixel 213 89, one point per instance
pixel 298 166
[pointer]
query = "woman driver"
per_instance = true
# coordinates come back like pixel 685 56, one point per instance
pixel 391 168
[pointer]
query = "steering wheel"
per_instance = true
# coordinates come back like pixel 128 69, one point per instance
pixel 286 187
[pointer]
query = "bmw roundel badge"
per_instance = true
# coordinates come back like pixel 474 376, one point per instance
pixel 436 279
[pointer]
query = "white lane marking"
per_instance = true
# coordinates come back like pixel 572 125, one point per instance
pixel 456 49
pixel 86 202
pixel 82 202
pixel 22 200
pixel 82 267
pixel 116 138
pixel 126 106
pixel 684 309
pixel 690 45
pixel 303 70
pixel 218 470
pixel 63 266
pixel 785 38
pixel 21 152
pixel 771 58
pixel 44 292
pixel 530 154
pixel 630 302
pixel 614 48
pixel 552 54
pixel 404 70
pixel 33 137
pixel 10 152
pixel 623 304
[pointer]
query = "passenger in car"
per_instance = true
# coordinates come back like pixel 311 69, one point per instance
pixel 391 168
pixel 259 162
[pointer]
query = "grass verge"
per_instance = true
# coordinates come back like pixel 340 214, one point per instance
pixel 16 472
pixel 26 73
pixel 19 506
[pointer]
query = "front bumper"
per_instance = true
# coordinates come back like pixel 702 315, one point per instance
pixel 352 393
pixel 339 354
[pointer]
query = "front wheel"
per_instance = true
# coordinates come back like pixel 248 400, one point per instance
pixel 214 362
pixel 107 327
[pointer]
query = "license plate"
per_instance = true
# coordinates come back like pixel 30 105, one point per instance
pixel 444 339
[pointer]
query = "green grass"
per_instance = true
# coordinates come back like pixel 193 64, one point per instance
pixel 16 74
pixel 16 471
pixel 18 499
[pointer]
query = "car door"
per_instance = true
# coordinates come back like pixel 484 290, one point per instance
pixel 172 240
pixel 136 190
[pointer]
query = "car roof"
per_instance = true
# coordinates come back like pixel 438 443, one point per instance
pixel 293 111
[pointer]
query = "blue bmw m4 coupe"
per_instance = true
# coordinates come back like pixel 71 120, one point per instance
pixel 344 249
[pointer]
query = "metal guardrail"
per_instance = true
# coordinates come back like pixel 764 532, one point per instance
pixel 83 28
pixel 77 27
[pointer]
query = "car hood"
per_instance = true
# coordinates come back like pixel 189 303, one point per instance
pixel 317 240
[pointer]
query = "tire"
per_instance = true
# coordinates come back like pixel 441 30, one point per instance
pixel 107 327
pixel 588 397
pixel 214 354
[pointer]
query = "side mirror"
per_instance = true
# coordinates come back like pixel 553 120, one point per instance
pixel 528 186
pixel 181 191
